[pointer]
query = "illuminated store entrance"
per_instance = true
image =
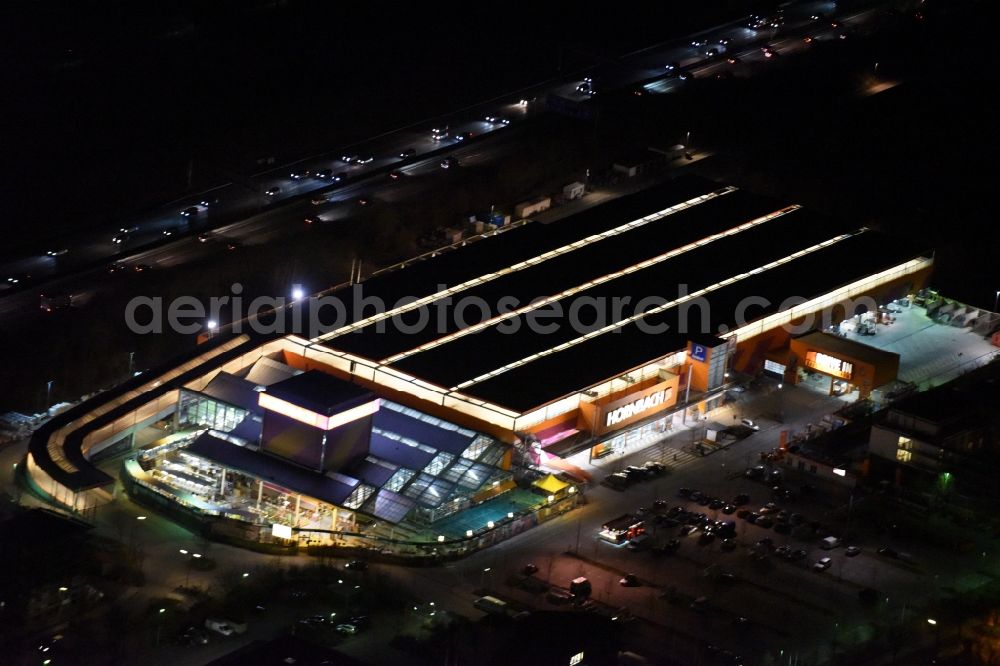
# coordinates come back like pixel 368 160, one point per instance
pixel 635 438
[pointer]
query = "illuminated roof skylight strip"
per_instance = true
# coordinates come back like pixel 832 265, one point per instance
pixel 651 311
pixel 542 302
pixel 521 265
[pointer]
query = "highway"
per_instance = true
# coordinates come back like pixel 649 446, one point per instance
pixel 243 211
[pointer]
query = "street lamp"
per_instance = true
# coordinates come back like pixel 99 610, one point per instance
pixel 212 325
pixel 159 626
pixel 298 293
pixel 48 393
pixel 996 299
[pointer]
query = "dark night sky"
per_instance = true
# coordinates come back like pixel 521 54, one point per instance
pixel 108 102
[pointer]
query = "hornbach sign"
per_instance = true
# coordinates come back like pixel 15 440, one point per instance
pixel 636 406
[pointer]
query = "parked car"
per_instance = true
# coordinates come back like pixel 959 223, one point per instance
pixel 885 551
pixel 852 551
pixel 558 597
pixel 617 481
pixel 629 580
pixel 823 564
pixel 654 468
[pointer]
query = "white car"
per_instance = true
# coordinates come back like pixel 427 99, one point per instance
pixel 749 423
pixel 347 629
pixel 823 564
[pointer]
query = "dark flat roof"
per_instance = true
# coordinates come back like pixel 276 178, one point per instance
pixel 320 392
pixel 270 469
pixel 442 439
pixel 762 260
pixel 235 391
pixel 697 269
pixel 569 270
pixel 606 356
pixel 836 344
pixel 421 278
pixel 399 453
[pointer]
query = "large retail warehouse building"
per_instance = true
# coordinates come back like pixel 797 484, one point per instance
pixel 582 334
pixel 686 256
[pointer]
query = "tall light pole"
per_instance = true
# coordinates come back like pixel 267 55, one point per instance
pixel 996 299
pixel 48 393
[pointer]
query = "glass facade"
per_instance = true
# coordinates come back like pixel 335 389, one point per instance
pixel 197 410
pixel 634 437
